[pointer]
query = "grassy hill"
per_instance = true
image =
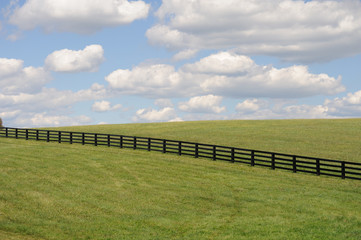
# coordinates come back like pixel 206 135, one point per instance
pixel 338 139
pixel 63 191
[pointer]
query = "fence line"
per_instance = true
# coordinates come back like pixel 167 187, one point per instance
pixel 272 160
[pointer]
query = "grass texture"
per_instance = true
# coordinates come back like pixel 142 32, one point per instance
pixel 338 139
pixel 63 191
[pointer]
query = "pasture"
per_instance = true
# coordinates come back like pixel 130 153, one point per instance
pixel 63 191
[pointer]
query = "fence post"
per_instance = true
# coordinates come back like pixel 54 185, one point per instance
pixel 16 133
pixel 83 138
pixel 37 135
pixel 164 146
pixel 179 148
pixel 294 162
pixel 273 161
pixel 318 170
pixel 149 144
pixel 47 136
pixel 252 158
pixel 95 139
pixel 71 138
pixel 232 155
pixel 108 140
pixel 135 143
pixel 121 142
pixel 26 134
pixel 59 137
pixel 214 153
pixel 343 170
pixel 196 150
pixel 6 132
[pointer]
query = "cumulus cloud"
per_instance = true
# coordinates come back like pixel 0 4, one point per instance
pixel 348 106
pixel 224 63
pixel 10 114
pixel 10 66
pixel 251 105
pixel 86 60
pixel 49 99
pixel 340 107
pixel 104 106
pixel 48 102
pixel 80 16
pixel 306 111
pixel 183 55
pixel 263 109
pixel 152 115
pixel 44 120
pixel 14 78
pixel 296 31
pixel 24 95
pixel 159 80
pixel 203 104
pixel 223 74
pixel 230 74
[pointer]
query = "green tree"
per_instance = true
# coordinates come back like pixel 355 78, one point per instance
pixel 1 123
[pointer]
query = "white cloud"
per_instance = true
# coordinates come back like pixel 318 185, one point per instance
pixel 10 66
pixel 348 106
pixel 262 109
pixel 186 54
pixel 296 31
pixel 306 111
pixel 11 114
pixel 244 78
pixel 153 115
pixel 44 120
pixel 14 78
pixel 177 119
pixel 20 108
pixel 80 16
pixel 24 95
pixel 170 38
pixel 223 74
pixel 65 60
pixel 251 105
pixel 203 104
pixel 222 63
pixel 159 80
pixel 49 99
pixel 104 106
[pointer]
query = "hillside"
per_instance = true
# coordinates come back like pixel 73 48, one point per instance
pixel 338 139
pixel 63 191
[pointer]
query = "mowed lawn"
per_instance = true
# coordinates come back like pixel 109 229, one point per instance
pixel 64 191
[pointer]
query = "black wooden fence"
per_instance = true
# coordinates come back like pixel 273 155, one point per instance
pixel 271 160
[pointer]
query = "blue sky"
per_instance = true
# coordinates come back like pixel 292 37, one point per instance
pixel 103 61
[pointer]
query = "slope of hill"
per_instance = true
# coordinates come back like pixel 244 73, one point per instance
pixel 338 139
pixel 63 191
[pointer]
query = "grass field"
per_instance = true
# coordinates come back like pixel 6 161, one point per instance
pixel 338 139
pixel 63 191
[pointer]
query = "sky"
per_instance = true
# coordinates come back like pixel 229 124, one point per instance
pixel 87 62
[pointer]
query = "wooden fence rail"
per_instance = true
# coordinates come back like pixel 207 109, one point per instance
pixel 272 160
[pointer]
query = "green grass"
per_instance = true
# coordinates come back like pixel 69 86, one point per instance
pixel 338 139
pixel 63 191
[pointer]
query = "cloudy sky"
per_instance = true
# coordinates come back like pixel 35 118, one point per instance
pixel 83 62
